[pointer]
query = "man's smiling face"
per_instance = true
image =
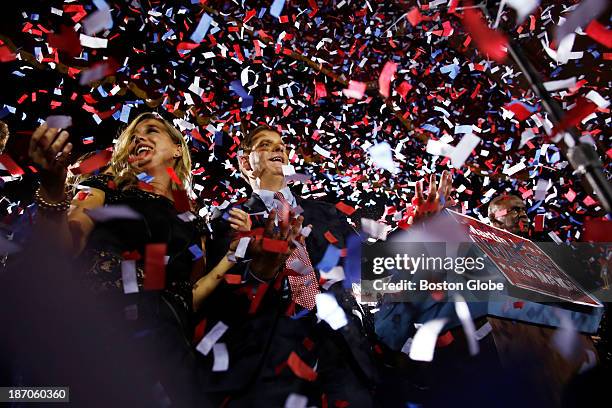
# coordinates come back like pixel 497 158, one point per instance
pixel 268 155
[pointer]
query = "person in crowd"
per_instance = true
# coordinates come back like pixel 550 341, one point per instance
pixel 147 264
pixel 508 212
pixel 275 345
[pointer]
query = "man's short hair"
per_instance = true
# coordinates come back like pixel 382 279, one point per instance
pixel 246 144
pixel 493 203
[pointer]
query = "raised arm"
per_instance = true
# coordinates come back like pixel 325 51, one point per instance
pixel 49 149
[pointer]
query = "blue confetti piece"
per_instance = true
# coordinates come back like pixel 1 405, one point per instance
pixel 125 114
pixel 300 314
pixel 145 177
pixel 196 252
pixel 431 128
pixel 330 259
pixel 277 8
pixel 247 100
pixel 201 29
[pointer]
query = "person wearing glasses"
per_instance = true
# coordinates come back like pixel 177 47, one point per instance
pixel 509 213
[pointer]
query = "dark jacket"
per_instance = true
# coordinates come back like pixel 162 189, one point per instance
pixel 262 341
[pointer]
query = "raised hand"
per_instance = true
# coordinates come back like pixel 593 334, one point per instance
pixel 49 149
pixel 265 263
pixel 239 220
pixel 437 198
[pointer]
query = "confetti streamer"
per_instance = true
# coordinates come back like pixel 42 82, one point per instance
pixel 277 8
pixel 489 42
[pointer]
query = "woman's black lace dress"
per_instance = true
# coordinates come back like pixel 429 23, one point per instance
pixel 157 321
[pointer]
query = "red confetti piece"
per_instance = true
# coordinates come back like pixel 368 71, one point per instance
pixel 6 54
pixel 581 110
pixel 181 201
pixel 173 176
pixel 155 267
pixel 588 201
pixel 198 333
pixel 345 208
pixel 445 339
pixel 488 41
pixel 599 33
pixel 414 16
pixel 518 305
pixel 131 255
pixel 93 163
pixel 539 222
pixel 67 40
pixel 520 111
pixel 570 195
pixel 256 300
pixel 597 230
pixel 275 245
pixel 300 368
pixel 10 165
pixel 232 279
pixel 330 237
pixel 385 78
pixel 403 89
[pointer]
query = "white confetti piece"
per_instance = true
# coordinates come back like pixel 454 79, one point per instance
pixel 211 338
pixel 597 99
pixel 296 401
pixel 438 148
pixel 424 342
pixel 221 357
pixel 515 169
pixel 382 157
pixel 242 247
pixel 329 311
pixel 98 21
pixel 560 84
pixel 483 331
pixel 374 229
pixel 59 121
pixel 128 276
pixel 464 149
pixel 93 42
pixel 463 312
pixel 540 189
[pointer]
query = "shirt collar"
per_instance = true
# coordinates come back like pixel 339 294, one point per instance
pixel 267 196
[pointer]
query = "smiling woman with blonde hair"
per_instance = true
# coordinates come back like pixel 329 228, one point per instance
pixel 138 247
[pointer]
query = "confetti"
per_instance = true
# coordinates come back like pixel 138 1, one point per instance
pixel 128 276
pixel 112 212
pixel 155 268
pixel 211 338
pixel 59 121
pixel 221 357
pixel 424 342
pixel 329 311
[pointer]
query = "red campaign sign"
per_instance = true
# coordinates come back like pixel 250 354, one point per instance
pixel 523 263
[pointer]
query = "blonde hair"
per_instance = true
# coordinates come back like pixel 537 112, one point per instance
pixel 125 174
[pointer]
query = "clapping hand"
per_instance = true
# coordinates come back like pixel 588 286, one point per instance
pixel 266 263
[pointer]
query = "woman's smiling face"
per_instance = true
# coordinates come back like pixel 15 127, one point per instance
pixel 152 146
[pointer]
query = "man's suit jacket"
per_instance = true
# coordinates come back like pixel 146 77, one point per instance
pixel 262 341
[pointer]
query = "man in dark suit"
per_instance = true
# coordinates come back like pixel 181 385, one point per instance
pixel 275 344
